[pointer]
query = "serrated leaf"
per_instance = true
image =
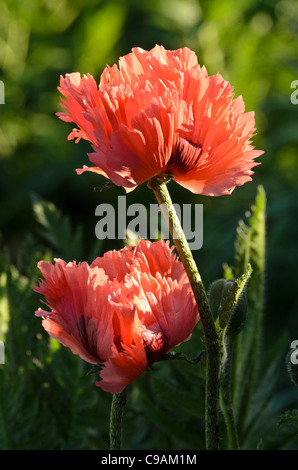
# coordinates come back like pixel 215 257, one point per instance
pixel 177 400
pixel 249 249
pixel 231 298
pixel 290 418
pixel 55 228
pixel 170 425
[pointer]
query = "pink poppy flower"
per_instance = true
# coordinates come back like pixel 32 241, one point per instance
pixel 124 311
pixel 160 113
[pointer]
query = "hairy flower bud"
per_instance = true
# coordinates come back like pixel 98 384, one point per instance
pixel 217 293
pixel 238 317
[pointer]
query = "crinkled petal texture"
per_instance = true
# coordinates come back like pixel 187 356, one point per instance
pixel 124 311
pixel 160 113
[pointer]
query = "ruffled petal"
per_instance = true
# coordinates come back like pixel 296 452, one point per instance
pixel 76 296
pixel 159 112
pixel 124 311
pixel 123 368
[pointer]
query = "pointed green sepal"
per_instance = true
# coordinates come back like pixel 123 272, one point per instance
pixel 228 302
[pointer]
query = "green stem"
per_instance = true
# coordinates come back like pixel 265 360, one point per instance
pixel 225 396
pixel 116 420
pixel 158 185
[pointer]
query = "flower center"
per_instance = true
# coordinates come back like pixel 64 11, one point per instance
pixel 88 334
pixel 155 344
pixel 185 157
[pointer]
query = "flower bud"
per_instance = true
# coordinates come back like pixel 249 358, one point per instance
pixel 238 317
pixel 217 292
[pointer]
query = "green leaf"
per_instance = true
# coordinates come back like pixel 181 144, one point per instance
pixel 249 249
pixel 232 297
pixel 56 230
pixel 169 423
pixel 290 418
pixel 176 399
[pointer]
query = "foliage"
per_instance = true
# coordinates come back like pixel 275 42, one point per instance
pixel 47 398
pixel 46 388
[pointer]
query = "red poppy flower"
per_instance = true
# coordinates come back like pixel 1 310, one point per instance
pixel 160 113
pixel 124 311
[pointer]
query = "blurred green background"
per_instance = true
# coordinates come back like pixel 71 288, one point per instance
pixel 253 44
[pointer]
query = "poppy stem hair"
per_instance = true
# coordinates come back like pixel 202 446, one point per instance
pixel 116 420
pixel 226 396
pixel 159 187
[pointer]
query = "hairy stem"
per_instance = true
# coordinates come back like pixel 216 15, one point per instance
pixel 116 420
pixel 226 399
pixel 158 185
